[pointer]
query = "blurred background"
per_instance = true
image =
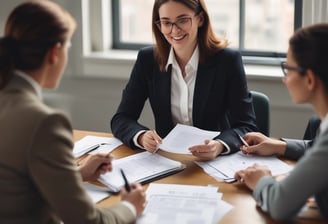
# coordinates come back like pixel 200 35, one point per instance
pixel 110 32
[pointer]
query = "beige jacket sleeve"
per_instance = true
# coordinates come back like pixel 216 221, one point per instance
pixel 54 172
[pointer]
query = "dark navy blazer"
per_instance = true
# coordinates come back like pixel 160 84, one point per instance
pixel 222 101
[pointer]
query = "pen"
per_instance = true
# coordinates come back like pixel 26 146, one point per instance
pixel 126 183
pixel 243 141
pixel 91 148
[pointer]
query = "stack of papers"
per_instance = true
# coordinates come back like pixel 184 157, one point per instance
pixel 141 167
pixel 182 137
pixel 225 167
pixel 181 204
pixel 95 144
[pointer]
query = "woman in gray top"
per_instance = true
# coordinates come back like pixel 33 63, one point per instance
pixel 306 77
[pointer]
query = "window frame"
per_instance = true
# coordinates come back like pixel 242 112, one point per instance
pixel 250 57
pixel 104 62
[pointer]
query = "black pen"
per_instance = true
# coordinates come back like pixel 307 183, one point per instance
pixel 126 183
pixel 91 148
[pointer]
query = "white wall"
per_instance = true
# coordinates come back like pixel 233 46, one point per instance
pixel 92 101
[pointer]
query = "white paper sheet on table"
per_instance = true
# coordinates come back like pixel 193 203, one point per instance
pixel 96 193
pixel 182 204
pixel 181 137
pixel 141 167
pixel 106 145
pixel 227 166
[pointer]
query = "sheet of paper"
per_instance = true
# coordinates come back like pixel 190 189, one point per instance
pixel 138 168
pixel 96 193
pixel 183 204
pixel 182 137
pixel 229 165
pixel 106 145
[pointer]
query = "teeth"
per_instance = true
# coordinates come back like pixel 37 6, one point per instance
pixel 177 38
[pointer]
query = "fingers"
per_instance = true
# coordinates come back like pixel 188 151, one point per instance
pixel 240 175
pixel 254 138
pixel 207 151
pixel 205 148
pixel 136 197
pixel 156 137
pixel 136 186
pixel 150 140
pixel 248 150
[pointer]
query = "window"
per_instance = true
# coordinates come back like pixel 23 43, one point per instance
pixel 103 50
pixel 255 27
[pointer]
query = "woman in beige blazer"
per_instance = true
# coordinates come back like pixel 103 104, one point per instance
pixel 39 181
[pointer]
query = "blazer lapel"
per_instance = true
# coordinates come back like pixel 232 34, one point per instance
pixel 204 81
pixel 164 98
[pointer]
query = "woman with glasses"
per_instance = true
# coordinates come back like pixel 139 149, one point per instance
pixel 40 182
pixel 307 81
pixel 189 77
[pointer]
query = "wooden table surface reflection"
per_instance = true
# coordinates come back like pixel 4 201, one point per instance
pixel 244 210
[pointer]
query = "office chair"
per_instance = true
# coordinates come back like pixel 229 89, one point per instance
pixel 261 103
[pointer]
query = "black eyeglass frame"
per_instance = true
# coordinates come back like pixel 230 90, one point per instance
pixel 159 24
pixel 285 68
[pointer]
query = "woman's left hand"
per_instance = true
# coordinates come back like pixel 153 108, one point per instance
pixel 208 151
pixel 251 175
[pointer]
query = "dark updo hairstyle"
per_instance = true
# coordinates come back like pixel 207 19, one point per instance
pixel 32 28
pixel 309 46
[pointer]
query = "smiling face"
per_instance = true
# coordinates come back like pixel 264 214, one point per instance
pixel 182 40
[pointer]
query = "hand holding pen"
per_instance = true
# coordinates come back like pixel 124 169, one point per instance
pixel 259 144
pixel 126 183
pixel 150 140
pixel 243 141
pixel 94 165
pixel 134 193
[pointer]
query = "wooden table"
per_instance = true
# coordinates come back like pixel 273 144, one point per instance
pixel 245 210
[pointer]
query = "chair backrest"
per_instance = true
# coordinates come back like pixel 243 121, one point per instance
pixel 261 104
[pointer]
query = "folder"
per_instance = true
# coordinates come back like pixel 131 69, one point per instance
pixel 142 168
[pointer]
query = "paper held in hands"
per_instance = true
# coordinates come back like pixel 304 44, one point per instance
pixel 182 137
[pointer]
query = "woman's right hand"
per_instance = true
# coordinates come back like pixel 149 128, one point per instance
pixel 260 144
pixel 150 140
pixel 136 197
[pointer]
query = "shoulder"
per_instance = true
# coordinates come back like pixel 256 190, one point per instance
pixel 147 52
pixel 37 113
pixel 146 61
pixel 227 53
pixel 225 58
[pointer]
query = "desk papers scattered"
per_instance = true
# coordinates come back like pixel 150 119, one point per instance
pixel 181 137
pixel 95 144
pixel 182 204
pixel 225 167
pixel 141 167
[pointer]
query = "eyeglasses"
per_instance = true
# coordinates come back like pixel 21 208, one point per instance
pixel 285 68
pixel 166 27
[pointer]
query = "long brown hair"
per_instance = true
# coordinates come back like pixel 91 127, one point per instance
pixel 209 43
pixel 31 29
